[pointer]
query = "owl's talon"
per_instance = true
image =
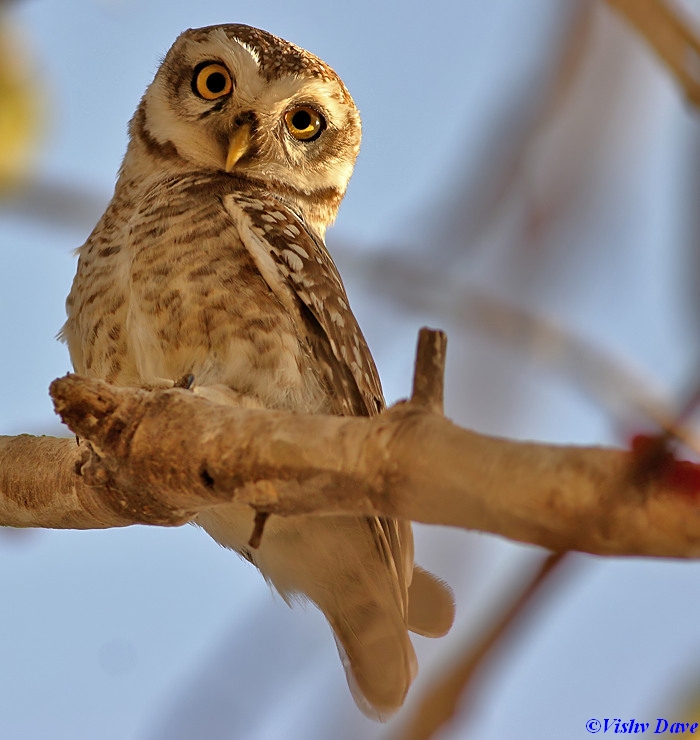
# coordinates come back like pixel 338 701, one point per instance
pixel 186 382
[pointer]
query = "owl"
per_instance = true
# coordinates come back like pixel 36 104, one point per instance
pixel 210 264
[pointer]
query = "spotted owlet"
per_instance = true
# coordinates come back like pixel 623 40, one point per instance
pixel 210 262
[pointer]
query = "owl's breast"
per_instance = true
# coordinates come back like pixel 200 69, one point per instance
pixel 199 305
pixel 192 301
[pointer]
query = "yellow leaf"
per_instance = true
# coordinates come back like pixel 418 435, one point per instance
pixel 20 106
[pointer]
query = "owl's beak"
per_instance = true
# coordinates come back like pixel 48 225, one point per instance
pixel 238 146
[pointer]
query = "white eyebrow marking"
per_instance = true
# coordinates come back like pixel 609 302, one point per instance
pixel 252 51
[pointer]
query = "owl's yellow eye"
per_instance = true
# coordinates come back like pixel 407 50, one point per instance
pixel 211 81
pixel 304 123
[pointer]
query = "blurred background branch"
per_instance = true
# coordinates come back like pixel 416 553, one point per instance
pixel 671 35
pixel 438 706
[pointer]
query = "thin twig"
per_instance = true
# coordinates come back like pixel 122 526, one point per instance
pixel 429 375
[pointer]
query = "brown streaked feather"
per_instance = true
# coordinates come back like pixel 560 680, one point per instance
pixel 309 272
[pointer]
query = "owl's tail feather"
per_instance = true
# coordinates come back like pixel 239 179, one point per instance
pixel 340 565
pixel 375 650
pixel 336 563
pixel 431 604
pixel 373 641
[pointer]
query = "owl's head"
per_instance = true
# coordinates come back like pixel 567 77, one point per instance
pixel 238 100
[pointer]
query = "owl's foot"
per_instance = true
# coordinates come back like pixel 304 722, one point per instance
pixel 186 382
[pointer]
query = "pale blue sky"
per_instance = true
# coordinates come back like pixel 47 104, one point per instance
pixel 153 634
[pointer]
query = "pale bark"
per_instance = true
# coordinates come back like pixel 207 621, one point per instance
pixel 159 457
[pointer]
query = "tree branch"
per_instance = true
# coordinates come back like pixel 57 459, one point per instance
pixel 39 487
pixel 159 457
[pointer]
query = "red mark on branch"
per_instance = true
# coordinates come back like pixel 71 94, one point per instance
pixel 654 460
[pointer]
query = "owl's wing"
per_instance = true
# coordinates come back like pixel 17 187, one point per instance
pixel 300 272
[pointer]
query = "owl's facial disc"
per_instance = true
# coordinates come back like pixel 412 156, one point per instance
pixel 236 100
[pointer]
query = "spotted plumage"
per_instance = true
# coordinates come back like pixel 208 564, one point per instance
pixel 210 261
